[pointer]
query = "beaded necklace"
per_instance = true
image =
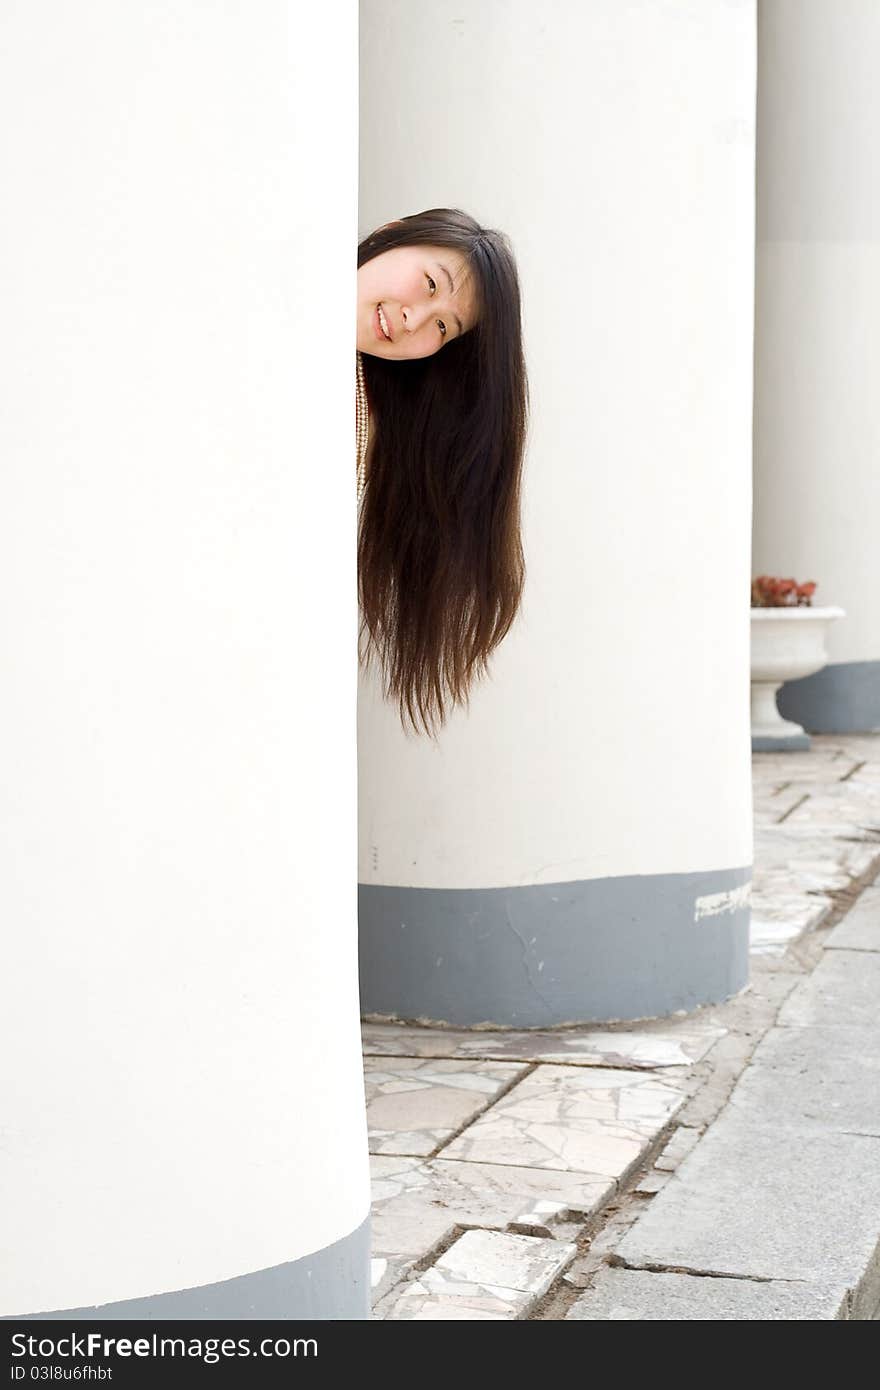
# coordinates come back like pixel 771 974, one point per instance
pixel 362 429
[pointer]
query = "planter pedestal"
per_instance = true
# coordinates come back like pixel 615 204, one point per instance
pixel 787 644
pixel 770 732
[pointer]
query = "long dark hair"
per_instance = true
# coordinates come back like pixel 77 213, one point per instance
pixel 441 568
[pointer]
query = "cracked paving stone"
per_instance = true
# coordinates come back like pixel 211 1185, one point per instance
pixel 631 1295
pixel 773 929
pixel 764 1203
pixel 666 1043
pixel 417 1206
pixel 485 1275
pixel 415 1104
pixel 653 1182
pixel 810 856
pixel 591 1121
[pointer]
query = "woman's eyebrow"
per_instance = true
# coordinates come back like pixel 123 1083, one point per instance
pixel 451 291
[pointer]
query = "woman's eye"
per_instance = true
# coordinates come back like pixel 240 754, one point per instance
pixel 442 326
pixel 432 283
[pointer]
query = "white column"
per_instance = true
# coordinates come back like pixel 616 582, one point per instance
pixel 817 342
pixel 579 846
pixel 181 1087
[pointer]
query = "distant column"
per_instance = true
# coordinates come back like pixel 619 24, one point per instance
pixel 182 1095
pixel 817 353
pixel 579 846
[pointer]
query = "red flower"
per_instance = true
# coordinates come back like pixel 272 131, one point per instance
pixel 770 592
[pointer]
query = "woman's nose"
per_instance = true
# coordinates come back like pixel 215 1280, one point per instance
pixel 414 318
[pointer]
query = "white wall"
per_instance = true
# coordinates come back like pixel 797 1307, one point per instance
pixel 817 407
pixel 614 142
pixel 181 1084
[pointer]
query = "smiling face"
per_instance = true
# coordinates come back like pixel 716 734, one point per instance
pixel 412 300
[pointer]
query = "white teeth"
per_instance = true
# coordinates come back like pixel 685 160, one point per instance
pixel 384 323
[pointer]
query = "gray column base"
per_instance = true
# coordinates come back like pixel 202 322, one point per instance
pixel 333 1283
pixel 796 743
pixel 840 699
pixel 538 956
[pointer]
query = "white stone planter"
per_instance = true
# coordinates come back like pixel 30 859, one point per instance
pixel 787 643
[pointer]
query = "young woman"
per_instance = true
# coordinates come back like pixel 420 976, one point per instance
pixel 442 410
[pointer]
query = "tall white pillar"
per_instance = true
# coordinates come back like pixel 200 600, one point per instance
pixel 817 341
pixel 182 1099
pixel 579 846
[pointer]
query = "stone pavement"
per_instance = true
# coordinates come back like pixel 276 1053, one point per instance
pixel 719 1165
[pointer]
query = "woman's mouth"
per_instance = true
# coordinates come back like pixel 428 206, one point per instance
pixel 384 332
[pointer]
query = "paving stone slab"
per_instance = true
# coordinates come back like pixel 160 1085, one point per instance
pixel 435 1298
pixel 867 776
pixel 407 1223
pixel 814 1079
pixel 805 764
pixel 769 1204
pixel 806 858
pixel 796 838
pixel 664 1044
pixel 772 931
pixel 653 1182
pixel 596 1121
pixel 823 746
pixel 414 1104
pixel 781 900
pixel 486 1275
pixel 867 744
pixel 861 830
pixel 859 858
pixel 860 928
pixel 843 990
pixel 838 803
pixel 416 1207
pixel 518 1192
pixel 841 799
pixel 777 891
pixel 771 803
pixel 513 1262
pixel 633 1295
pixel 676 1150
